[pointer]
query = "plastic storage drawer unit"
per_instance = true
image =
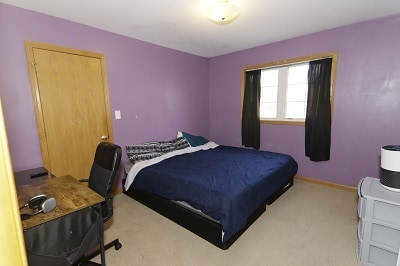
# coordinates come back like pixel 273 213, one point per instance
pixel 379 224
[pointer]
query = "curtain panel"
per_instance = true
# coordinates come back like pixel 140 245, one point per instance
pixel 251 110
pixel 318 114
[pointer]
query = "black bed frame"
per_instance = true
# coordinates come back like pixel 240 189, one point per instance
pixel 198 224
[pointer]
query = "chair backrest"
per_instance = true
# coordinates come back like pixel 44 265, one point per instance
pixel 104 169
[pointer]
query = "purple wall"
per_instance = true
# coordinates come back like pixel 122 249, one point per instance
pixel 366 104
pixel 158 90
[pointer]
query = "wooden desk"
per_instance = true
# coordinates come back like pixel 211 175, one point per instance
pixel 71 196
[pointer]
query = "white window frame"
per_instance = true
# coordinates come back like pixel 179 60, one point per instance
pixel 285 63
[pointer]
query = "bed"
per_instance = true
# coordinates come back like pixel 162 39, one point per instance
pixel 215 191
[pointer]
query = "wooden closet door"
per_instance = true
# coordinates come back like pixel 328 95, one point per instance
pixel 72 106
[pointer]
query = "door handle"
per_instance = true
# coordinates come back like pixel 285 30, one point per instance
pixel 104 137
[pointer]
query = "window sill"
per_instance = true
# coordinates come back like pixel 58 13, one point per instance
pixel 284 122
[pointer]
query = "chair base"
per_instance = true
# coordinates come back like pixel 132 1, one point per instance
pixel 86 260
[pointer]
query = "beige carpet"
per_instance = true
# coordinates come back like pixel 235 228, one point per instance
pixel 310 224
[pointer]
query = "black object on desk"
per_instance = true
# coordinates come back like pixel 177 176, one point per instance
pixel 39 174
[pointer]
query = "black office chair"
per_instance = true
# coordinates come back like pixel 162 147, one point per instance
pixel 101 180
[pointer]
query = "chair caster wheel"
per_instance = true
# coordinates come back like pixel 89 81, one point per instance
pixel 118 245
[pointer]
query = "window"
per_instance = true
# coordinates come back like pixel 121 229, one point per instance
pixel 284 88
pixel 284 92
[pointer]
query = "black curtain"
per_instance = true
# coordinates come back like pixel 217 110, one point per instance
pixel 251 110
pixel 318 115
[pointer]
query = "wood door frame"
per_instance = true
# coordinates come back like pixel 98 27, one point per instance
pixel 29 46
pixel 12 247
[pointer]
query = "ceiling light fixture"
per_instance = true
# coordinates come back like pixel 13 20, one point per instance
pixel 223 12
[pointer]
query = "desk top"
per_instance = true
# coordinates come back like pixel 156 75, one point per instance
pixel 71 195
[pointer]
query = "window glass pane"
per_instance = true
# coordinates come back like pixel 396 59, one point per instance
pixel 269 94
pixel 298 74
pixel 269 77
pixel 296 110
pixel 268 110
pixel 297 92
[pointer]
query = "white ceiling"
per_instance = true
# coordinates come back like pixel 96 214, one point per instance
pixel 181 25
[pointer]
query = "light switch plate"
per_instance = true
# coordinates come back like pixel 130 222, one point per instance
pixel 117 114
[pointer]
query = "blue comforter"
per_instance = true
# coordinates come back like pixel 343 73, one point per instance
pixel 226 183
